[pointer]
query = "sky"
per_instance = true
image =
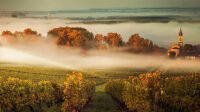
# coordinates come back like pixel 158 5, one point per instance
pixel 49 5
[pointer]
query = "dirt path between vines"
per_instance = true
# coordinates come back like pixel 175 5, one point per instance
pixel 102 102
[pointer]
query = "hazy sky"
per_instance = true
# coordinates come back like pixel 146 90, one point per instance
pixel 87 4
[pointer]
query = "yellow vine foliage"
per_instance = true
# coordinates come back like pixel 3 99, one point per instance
pixel 17 94
pixel 138 92
pixel 77 92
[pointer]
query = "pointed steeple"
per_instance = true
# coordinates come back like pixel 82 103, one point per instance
pixel 180 32
pixel 180 38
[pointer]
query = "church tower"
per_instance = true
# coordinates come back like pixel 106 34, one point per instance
pixel 180 38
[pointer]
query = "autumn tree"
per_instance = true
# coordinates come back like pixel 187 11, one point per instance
pixel 29 31
pixel 8 36
pixel 100 41
pixel 138 44
pixel 28 35
pixel 6 33
pixel 114 40
pixel 71 37
pixel 189 49
pixel 111 40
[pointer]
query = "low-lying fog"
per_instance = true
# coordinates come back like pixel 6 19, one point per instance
pixel 71 58
pixel 162 34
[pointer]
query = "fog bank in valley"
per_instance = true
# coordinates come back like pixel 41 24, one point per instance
pixel 47 54
pixel 162 34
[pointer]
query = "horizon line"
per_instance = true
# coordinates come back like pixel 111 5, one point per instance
pixel 88 9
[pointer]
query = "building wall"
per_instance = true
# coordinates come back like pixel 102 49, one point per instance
pixel 176 51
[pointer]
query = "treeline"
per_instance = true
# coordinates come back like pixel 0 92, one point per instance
pixel 28 35
pixel 18 95
pixel 150 92
pixel 82 38
pixel 190 50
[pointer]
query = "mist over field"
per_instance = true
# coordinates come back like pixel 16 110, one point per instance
pixel 43 54
pixel 158 23
pixel 161 25
pixel 99 56
pixel 153 24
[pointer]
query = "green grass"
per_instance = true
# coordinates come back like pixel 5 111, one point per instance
pixel 102 102
pixel 35 73
pixel 58 75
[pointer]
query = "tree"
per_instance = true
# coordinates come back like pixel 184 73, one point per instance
pixel 71 37
pixel 21 37
pixel 8 37
pixel 100 41
pixel 7 33
pixel 29 31
pixel 138 44
pixel 189 49
pixel 113 40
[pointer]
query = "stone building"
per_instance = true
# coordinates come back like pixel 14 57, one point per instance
pixel 175 49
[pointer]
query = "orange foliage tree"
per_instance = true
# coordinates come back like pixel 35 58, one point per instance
pixel 111 40
pixel 100 41
pixel 8 36
pixel 6 33
pixel 27 36
pixel 141 45
pixel 71 37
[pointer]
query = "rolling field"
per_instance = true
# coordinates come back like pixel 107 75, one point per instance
pixel 58 75
pixel 100 102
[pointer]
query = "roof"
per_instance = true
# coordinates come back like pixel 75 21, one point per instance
pixel 180 32
pixel 175 46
